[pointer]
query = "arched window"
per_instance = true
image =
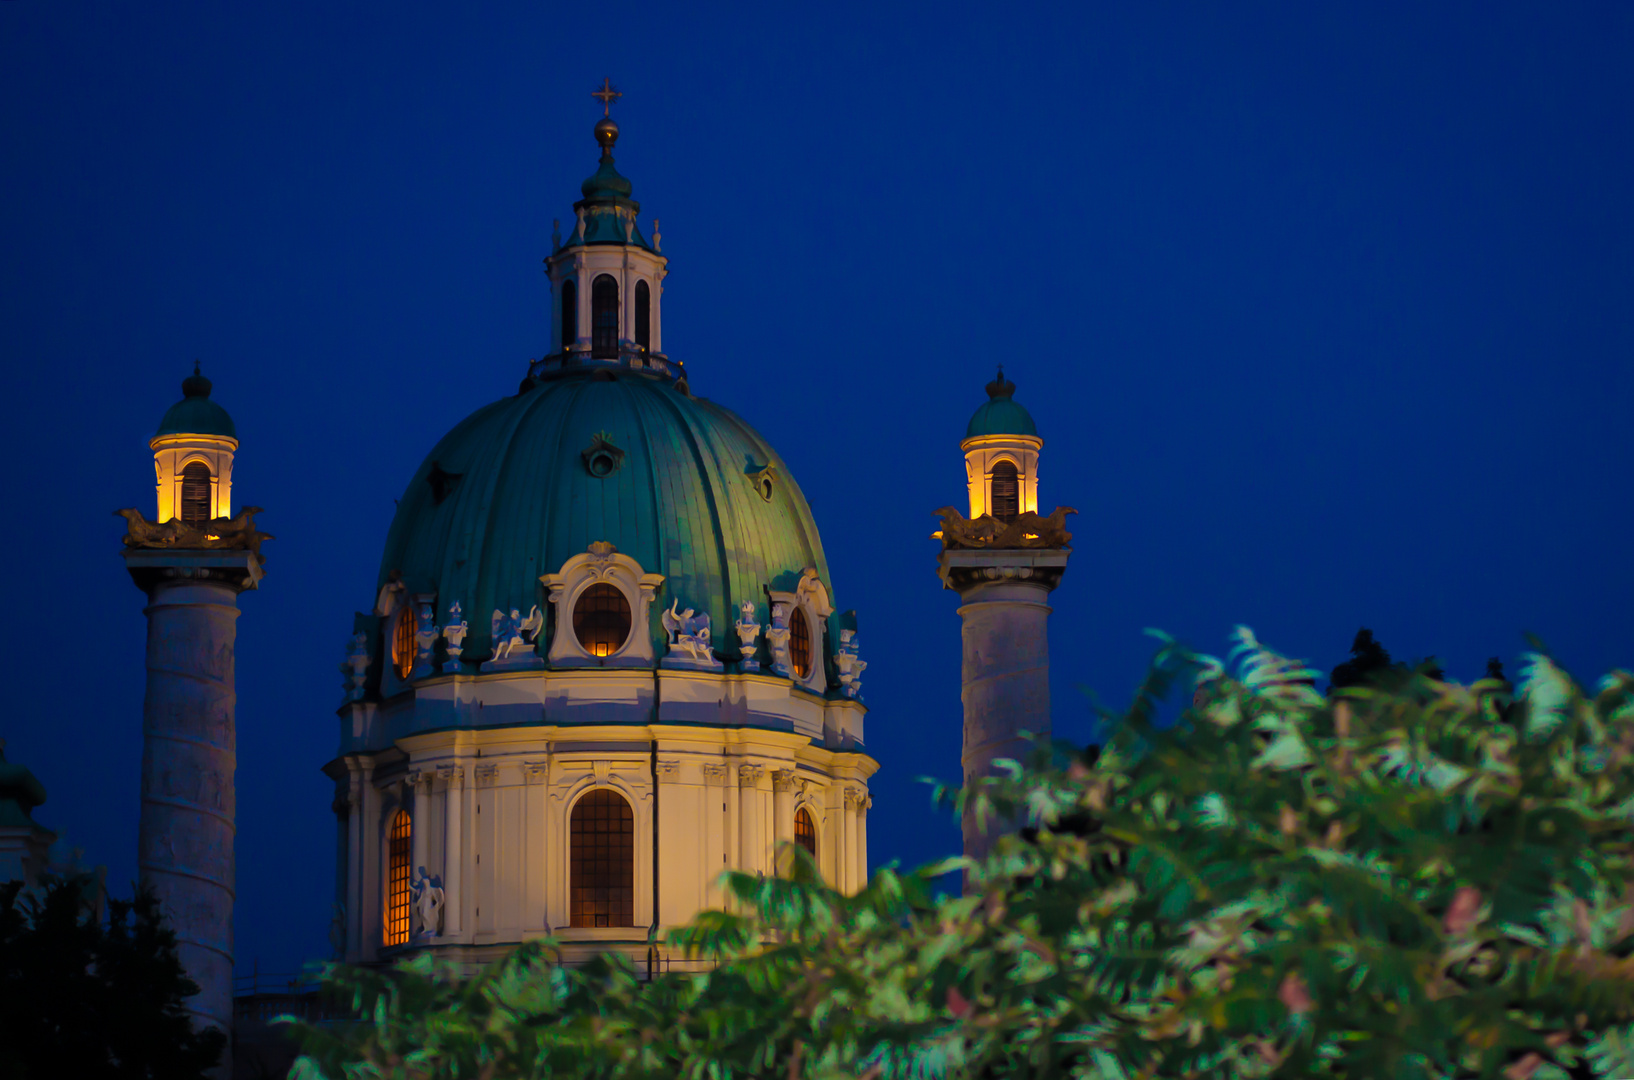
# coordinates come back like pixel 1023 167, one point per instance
pixel 1006 501
pixel 398 847
pixel 601 619
pixel 601 850
pixel 805 831
pixel 402 642
pixel 604 318
pixel 570 315
pixel 643 316
pixel 800 643
pixel 196 493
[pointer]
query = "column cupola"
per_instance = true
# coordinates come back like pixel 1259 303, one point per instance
pixel 193 456
pixel 1001 446
pixel 606 276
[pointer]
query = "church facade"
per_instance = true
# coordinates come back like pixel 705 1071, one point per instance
pixel 604 663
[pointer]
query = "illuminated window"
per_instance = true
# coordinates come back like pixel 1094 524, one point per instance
pixel 604 318
pixel 602 854
pixel 402 642
pixel 601 619
pixel 800 643
pixel 196 493
pixel 805 831
pixel 570 314
pixel 398 847
pixel 643 316
pixel 1006 501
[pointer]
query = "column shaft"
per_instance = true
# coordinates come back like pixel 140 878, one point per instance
pixel 189 753
pixel 1006 685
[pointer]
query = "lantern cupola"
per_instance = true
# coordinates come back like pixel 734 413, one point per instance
pixel 1001 446
pixel 193 456
pixel 605 276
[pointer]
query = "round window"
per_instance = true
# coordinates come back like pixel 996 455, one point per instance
pixel 601 465
pixel 402 642
pixel 800 643
pixel 601 619
pixel 765 488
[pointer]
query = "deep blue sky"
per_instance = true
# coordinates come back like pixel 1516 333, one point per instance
pixel 1324 312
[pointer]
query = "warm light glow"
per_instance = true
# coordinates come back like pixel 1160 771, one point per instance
pixel 399 847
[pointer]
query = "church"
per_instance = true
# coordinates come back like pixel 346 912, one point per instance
pixel 601 662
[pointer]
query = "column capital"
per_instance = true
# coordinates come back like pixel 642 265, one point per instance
pixel 149 568
pixel 783 780
pixel 1034 569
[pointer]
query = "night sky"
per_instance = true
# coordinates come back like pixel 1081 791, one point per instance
pixel 1324 312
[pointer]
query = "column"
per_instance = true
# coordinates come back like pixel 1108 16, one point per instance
pixel 1005 663
pixel 782 809
pixel 849 878
pixel 453 777
pixel 187 817
pixel 419 785
pixel 862 839
pixel 732 840
pixel 751 828
pixel 356 851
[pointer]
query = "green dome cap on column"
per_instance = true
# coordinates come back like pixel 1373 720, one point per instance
pixel 195 413
pixel 20 793
pixel 1001 415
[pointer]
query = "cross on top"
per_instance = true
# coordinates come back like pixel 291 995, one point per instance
pixel 607 94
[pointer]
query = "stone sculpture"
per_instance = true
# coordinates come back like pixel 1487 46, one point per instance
pixel 511 631
pixel 356 666
pixel 689 638
pixel 237 533
pixel 748 628
pixel 777 637
pixel 454 632
pixel 1028 530
pixel 850 668
pixel 390 595
pixel 428 898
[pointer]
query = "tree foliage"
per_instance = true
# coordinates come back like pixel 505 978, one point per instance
pixel 1420 880
pixel 90 999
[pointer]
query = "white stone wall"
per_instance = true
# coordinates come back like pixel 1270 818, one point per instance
pixel 490 767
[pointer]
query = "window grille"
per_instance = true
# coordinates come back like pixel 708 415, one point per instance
pixel 399 846
pixel 805 831
pixel 1006 501
pixel 601 619
pixel 800 643
pixel 196 493
pixel 602 856
pixel 570 315
pixel 643 316
pixel 604 318
pixel 402 642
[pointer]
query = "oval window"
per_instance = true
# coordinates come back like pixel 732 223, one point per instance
pixel 800 644
pixel 402 642
pixel 601 619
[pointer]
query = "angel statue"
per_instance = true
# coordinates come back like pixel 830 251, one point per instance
pixel 689 633
pixel 511 631
pixel 428 900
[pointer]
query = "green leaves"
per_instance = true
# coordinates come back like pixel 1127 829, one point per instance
pixel 1418 880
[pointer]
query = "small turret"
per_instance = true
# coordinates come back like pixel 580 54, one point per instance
pixel 1001 447
pixel 193 457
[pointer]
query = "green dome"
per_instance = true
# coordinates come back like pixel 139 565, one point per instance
pixel 675 482
pixel 195 413
pixel 1000 415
